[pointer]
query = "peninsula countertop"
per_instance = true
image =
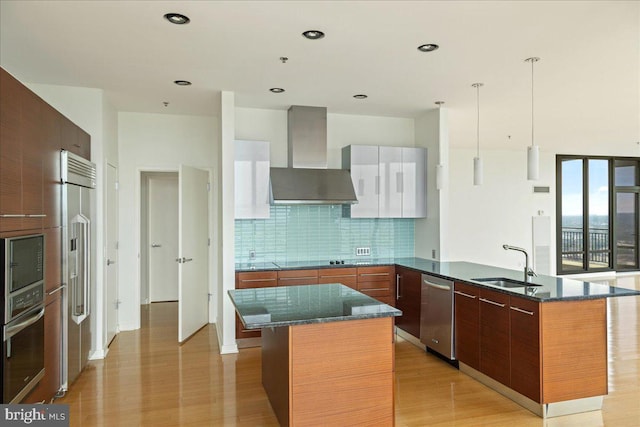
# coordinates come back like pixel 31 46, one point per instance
pixel 547 288
pixel 299 305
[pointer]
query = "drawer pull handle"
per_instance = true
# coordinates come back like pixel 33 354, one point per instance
pixel 257 280
pixel 519 310
pixel 464 295
pixel 13 215
pixel 58 289
pixel 374 274
pixel 343 275
pixel 297 278
pixel 36 216
pixel 492 302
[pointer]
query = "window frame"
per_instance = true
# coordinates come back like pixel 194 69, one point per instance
pixel 612 194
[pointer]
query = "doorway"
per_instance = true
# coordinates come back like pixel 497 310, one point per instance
pixel 159 235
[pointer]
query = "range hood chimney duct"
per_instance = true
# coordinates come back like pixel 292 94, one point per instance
pixel 307 179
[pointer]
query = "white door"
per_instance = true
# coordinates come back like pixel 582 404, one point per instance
pixel 163 236
pixel 193 251
pixel 111 244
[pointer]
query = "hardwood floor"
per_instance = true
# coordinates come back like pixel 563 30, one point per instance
pixel 147 379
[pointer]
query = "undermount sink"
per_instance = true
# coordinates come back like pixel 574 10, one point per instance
pixel 503 282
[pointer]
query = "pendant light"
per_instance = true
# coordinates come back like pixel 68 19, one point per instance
pixel 533 151
pixel 477 161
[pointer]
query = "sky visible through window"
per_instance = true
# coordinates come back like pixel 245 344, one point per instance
pixel 598 187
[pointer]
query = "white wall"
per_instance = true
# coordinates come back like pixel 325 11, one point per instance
pixel 342 130
pixel 89 109
pixel 431 131
pixel 152 142
pixel 483 218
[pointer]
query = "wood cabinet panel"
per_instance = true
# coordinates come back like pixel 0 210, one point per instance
pixel 257 279
pixel 525 347
pixel 378 282
pixel 52 188
pixel 574 345
pixel 51 382
pixel 10 152
pixel 495 356
pixel 75 139
pixel 32 153
pixel 347 276
pixel 408 300
pixel 297 277
pixel 467 324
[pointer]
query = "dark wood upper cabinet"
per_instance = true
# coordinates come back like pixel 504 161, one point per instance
pixel 32 133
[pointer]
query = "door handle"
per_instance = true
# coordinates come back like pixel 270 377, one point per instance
pixel 155 245
pixel 109 262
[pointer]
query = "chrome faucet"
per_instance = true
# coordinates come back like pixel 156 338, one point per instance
pixel 527 271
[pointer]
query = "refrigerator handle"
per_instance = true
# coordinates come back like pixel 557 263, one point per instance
pixel 80 292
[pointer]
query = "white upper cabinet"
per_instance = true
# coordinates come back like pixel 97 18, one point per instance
pixel 362 161
pixel 390 182
pixel 390 169
pixel 252 163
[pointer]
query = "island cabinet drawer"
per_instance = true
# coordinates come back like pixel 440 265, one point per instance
pixel 257 279
pixel 524 316
pixel 297 277
pixel 467 324
pixel 495 360
pixel 346 276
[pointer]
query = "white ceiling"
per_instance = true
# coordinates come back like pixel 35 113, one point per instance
pixel 590 57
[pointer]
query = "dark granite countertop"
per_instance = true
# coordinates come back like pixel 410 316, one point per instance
pixel 550 288
pixel 300 305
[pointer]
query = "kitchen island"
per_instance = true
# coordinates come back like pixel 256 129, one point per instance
pixel 327 353
pixel 543 344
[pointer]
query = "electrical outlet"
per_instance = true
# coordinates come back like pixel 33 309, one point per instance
pixel 363 251
pixel 433 253
pixel 252 254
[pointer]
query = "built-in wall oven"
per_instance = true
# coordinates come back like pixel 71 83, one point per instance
pixel 22 315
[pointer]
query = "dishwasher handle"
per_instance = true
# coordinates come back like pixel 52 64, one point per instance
pixel 433 285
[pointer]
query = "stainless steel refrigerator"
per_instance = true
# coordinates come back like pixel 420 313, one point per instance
pixel 78 177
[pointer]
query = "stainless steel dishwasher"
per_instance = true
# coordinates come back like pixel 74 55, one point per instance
pixel 436 315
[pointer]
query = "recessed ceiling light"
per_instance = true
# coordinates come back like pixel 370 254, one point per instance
pixel 276 90
pixel 313 34
pixel 429 47
pixel 182 82
pixel 360 96
pixel 177 18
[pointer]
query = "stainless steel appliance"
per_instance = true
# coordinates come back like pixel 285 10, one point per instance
pixel 436 315
pixel 79 178
pixel 22 315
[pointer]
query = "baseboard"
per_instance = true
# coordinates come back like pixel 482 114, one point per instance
pixel 98 354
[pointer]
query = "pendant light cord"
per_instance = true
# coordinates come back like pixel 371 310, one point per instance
pixel 478 122
pixel 477 86
pixel 532 60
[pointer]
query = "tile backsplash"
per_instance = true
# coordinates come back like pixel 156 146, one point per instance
pixel 319 233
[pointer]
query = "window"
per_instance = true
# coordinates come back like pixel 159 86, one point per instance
pixel 597 214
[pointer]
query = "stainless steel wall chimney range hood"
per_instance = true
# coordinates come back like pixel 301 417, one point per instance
pixel 307 179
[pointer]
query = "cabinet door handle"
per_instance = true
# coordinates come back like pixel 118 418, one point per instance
pixel 519 310
pixel 464 295
pixel 257 280
pixel 36 216
pixel 12 215
pixel 374 274
pixel 297 278
pixel 492 302
pixel 398 293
